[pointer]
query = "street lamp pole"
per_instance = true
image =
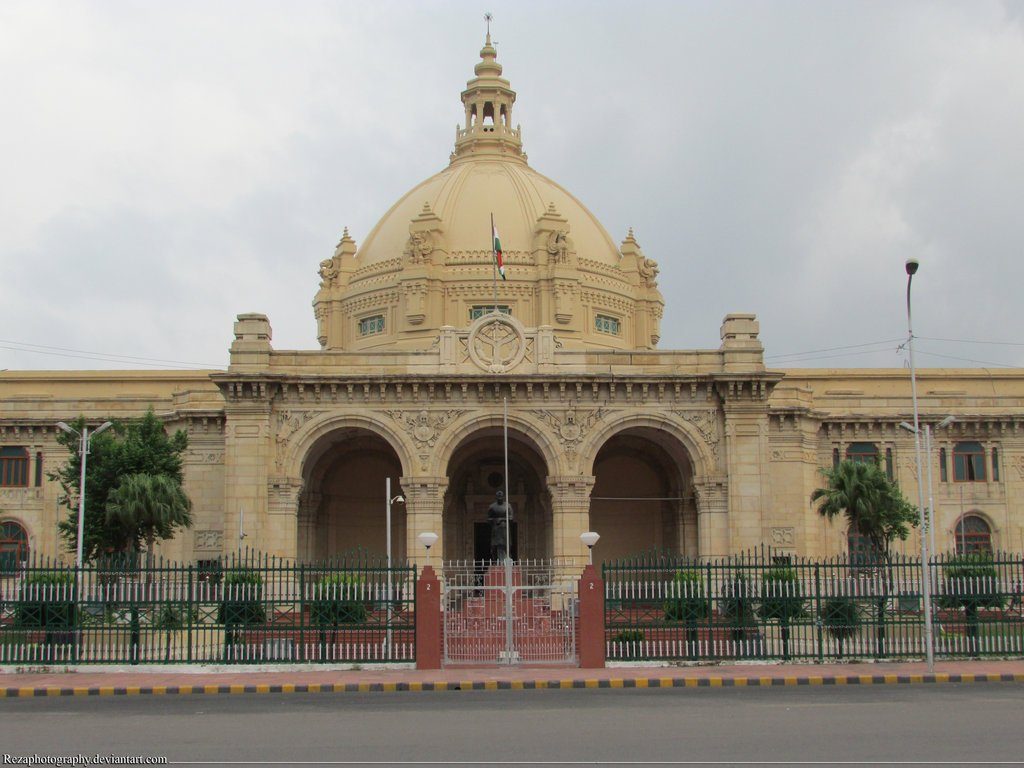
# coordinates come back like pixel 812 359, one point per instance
pixel 391 500
pixel 84 439
pixel 926 590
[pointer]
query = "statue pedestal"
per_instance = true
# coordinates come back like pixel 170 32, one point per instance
pixel 495 582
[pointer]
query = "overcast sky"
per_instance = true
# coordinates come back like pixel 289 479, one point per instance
pixel 167 166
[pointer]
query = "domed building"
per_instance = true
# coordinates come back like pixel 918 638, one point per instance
pixel 425 351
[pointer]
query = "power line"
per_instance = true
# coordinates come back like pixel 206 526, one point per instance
pixel 967 359
pixel 970 341
pixel 835 349
pixel 42 349
pixel 829 357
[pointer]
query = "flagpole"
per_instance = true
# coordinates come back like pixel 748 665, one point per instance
pixel 494 265
pixel 508 499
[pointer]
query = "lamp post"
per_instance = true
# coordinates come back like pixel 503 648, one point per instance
pixel 84 439
pixel 391 500
pixel 928 460
pixel 590 539
pixel 926 589
pixel 428 539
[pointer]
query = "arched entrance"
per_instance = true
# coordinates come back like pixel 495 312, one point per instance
pixel 343 507
pixel 476 471
pixel 643 498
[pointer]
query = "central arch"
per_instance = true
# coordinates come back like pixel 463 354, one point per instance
pixel 476 471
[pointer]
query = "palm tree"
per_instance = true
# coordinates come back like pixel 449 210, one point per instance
pixel 875 508
pixel 149 507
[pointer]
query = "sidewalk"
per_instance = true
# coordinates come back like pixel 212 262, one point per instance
pixel 170 680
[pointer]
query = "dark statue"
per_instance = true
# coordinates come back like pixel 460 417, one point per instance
pixel 499 528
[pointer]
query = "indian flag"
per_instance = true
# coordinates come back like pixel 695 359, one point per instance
pixel 497 251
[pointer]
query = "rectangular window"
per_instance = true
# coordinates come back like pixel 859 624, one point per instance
pixel 39 468
pixel 968 462
pixel 995 464
pixel 607 324
pixel 13 467
pixel 943 472
pixel 835 458
pixel 889 473
pixel 479 310
pixel 369 326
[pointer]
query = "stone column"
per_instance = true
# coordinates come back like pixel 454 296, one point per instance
pixel 712 515
pixel 570 507
pixel 424 505
pixel 309 503
pixel 247 455
pixel 280 535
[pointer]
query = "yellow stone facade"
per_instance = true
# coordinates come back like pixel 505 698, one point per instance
pixel 700 452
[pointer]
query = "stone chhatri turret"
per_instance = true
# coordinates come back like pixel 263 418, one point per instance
pixel 488 101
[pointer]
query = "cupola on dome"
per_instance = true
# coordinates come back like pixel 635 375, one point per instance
pixel 429 262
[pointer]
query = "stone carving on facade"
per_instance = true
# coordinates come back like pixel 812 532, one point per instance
pixel 496 344
pixel 209 540
pixel 199 456
pixel 571 426
pixel 782 537
pixel 649 272
pixel 329 270
pixel 419 247
pixel 288 422
pixel 558 246
pixel 706 424
pixel 1018 464
pixel 424 426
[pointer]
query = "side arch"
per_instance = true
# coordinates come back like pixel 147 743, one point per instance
pixel 302 450
pixel 685 434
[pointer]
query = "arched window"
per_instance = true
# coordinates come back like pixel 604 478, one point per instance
pixel 968 462
pixel 973 536
pixel 865 453
pixel 862 550
pixel 13 466
pixel 13 546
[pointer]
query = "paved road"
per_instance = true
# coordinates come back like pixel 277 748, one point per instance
pixel 950 724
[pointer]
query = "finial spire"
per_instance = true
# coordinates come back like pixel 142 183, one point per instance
pixel 488 17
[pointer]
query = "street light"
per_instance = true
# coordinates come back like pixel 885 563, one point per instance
pixel 399 499
pixel 928 459
pixel 428 539
pixel 590 539
pixel 84 439
pixel 926 589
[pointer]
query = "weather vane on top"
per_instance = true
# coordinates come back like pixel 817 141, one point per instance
pixel 488 17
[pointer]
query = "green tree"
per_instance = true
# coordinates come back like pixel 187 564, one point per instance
pixel 141 445
pixel 872 503
pixel 875 507
pixel 148 507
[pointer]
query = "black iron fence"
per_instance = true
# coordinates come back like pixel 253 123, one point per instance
pixel 243 608
pixel 765 606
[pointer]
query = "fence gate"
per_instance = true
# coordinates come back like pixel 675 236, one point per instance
pixel 511 612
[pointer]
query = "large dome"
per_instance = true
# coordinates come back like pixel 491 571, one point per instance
pixel 429 264
pixel 468 192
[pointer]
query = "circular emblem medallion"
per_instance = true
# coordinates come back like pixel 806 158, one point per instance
pixel 496 343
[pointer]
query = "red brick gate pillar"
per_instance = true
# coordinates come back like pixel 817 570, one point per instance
pixel 591 619
pixel 428 620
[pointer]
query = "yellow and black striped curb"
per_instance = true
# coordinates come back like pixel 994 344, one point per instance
pixel 508 685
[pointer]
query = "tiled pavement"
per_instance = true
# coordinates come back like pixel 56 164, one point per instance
pixel 169 680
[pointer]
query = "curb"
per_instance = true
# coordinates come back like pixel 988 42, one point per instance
pixel 506 685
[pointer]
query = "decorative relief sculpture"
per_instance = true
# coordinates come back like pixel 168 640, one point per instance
pixel 496 344
pixel 419 247
pixel 571 427
pixel 782 537
pixel 649 271
pixel 706 424
pixel 558 246
pixel 329 269
pixel 424 426
pixel 209 540
pixel 288 422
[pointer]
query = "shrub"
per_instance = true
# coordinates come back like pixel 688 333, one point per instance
pixel 782 596
pixel 628 636
pixel 841 618
pixel 336 600
pixel 46 602
pixel 242 599
pixel 689 602
pixel 971 583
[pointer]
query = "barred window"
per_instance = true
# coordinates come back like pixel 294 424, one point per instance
pixel 943 471
pixel 607 324
pixel 889 471
pixel 479 310
pixel 863 453
pixel 968 462
pixel 862 549
pixel 13 467
pixel 13 546
pixel 369 326
pixel 973 536
pixel 995 465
